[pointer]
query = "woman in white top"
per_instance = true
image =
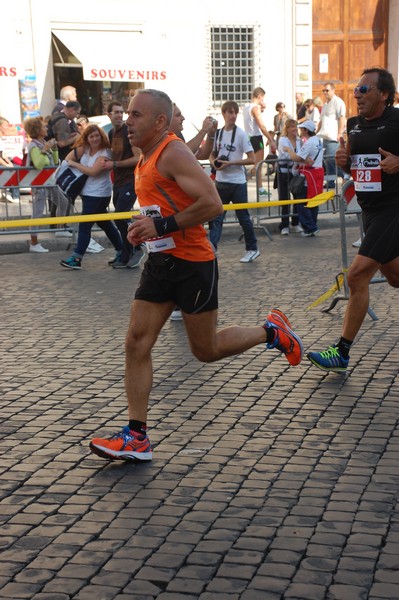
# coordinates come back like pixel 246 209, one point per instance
pixel 88 156
pixel 289 138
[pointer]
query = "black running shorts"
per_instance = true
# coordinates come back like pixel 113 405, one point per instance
pixel 257 142
pixel 193 286
pixel 381 241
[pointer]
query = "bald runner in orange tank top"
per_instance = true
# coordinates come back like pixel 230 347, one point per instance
pixel 164 197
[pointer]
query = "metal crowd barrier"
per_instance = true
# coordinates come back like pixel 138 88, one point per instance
pixel 22 178
pixel 28 177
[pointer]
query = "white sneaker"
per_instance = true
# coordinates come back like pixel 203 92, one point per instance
pixel 249 256
pixel 38 248
pixel 176 314
pixel 94 247
pixel 297 228
pixel 285 231
pixel 357 243
pixel 63 233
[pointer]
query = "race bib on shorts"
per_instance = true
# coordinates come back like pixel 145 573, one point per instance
pixel 157 244
pixel 366 172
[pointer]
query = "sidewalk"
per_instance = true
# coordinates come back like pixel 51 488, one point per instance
pixel 268 481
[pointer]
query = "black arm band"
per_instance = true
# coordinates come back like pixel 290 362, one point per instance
pixel 165 225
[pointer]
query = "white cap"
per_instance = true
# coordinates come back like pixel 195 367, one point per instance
pixel 309 125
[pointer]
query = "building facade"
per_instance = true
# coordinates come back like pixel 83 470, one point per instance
pixel 200 54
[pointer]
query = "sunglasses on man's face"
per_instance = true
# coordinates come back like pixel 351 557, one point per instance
pixel 363 89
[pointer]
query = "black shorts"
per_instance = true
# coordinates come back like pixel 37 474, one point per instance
pixel 257 142
pixel 193 286
pixel 381 240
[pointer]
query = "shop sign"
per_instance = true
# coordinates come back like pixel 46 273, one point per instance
pixel 8 71
pixel 105 74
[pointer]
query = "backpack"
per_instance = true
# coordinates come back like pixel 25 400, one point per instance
pixel 50 132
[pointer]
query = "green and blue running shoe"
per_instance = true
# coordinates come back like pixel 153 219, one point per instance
pixel 329 360
pixel 73 262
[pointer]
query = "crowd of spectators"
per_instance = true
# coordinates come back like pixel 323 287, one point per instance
pixel 62 131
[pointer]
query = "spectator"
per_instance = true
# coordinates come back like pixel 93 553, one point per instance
pixel 64 128
pixel 199 145
pixel 312 112
pixel 300 106
pixel 41 153
pixel 12 194
pixel 82 122
pixel 92 149
pixel 289 138
pixel 279 120
pixel 330 129
pixel 231 143
pixel 313 172
pixel 318 102
pixel 255 129
pixel 123 162
pixel 67 94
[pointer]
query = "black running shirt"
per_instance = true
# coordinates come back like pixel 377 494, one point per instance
pixel 374 188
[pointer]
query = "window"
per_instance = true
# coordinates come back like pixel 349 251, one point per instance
pixel 234 63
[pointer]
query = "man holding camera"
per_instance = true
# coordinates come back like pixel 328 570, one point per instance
pixel 231 143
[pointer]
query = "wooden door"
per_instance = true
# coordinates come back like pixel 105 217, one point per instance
pixel 348 36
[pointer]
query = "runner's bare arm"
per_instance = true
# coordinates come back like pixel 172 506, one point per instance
pixel 178 162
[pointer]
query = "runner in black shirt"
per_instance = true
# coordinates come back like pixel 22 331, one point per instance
pixel 371 155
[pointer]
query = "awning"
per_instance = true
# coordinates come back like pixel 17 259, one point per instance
pixel 115 55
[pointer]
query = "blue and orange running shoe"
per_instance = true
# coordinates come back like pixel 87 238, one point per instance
pixel 329 360
pixel 286 340
pixel 126 445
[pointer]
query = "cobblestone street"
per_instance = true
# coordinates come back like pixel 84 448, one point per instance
pixel 268 481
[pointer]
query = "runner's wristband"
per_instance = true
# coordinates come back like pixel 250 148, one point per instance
pixel 165 225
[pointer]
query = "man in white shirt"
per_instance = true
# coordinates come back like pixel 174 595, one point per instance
pixel 256 129
pixel 331 127
pixel 231 143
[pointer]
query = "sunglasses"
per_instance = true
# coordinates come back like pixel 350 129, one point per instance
pixel 327 90
pixel 363 89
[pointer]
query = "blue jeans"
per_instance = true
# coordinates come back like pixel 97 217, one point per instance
pixel 95 206
pixel 307 216
pixel 123 199
pixel 234 193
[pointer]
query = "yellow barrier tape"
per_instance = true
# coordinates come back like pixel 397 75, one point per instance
pixel 27 222
pixel 339 282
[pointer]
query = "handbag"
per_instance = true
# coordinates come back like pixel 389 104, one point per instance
pixel 70 180
pixel 297 185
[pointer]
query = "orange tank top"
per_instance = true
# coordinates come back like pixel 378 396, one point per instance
pixel 163 197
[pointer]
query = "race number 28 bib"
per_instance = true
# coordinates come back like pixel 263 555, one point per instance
pixel 366 172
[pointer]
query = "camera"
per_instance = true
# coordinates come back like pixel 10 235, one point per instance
pixel 217 162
